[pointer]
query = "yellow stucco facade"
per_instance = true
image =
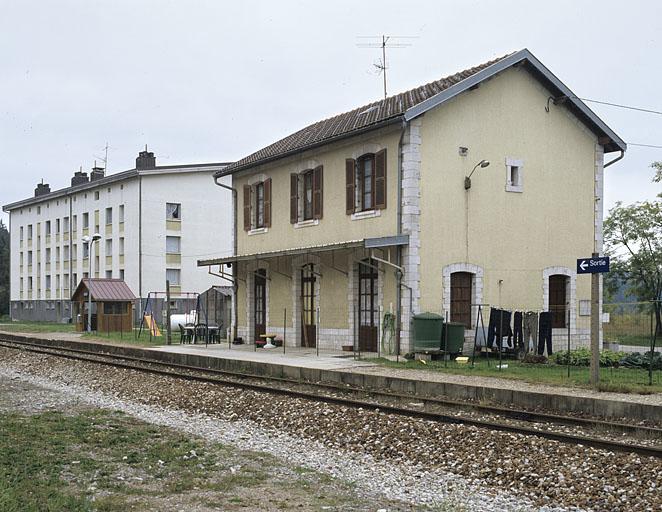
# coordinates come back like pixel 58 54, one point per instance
pixel 510 236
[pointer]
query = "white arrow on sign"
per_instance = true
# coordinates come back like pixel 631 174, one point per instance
pixel 583 265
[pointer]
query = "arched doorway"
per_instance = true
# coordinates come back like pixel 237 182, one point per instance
pixel 558 299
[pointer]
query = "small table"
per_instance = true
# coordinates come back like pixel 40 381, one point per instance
pixel 270 339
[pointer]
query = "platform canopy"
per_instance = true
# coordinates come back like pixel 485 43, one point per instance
pixel 367 243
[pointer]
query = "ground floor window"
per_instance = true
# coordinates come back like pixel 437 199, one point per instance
pixel 308 324
pixel 368 306
pixel 558 293
pixel 461 292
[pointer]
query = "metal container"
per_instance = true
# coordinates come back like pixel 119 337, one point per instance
pixel 427 332
pixel 455 340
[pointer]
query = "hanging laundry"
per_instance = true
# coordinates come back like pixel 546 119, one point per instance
pixel 499 327
pixel 530 331
pixel 518 335
pixel 545 332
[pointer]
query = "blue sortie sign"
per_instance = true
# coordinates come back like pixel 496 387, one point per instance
pixel 593 265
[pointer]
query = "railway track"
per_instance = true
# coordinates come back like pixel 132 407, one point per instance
pixel 337 395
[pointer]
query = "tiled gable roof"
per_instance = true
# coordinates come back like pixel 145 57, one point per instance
pixel 365 117
pixel 105 289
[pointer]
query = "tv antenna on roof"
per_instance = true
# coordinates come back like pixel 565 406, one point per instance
pixel 384 42
pixel 104 159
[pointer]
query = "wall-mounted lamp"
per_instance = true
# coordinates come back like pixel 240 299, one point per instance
pixel 467 179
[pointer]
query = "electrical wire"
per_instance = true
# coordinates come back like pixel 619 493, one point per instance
pixel 639 109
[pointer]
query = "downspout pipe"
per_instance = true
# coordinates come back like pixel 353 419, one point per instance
pixel 620 157
pixel 398 250
pixel 235 319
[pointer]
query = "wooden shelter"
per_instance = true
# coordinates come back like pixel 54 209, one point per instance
pixel 112 305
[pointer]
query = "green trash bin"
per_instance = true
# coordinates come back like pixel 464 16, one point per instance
pixel 455 341
pixel 427 332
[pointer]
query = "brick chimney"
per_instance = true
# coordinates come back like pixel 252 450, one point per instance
pixel 145 160
pixel 79 178
pixel 97 173
pixel 42 189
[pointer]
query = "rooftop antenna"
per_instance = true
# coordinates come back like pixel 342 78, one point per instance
pixel 384 42
pixel 104 159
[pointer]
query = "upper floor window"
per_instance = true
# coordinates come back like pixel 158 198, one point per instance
pixel 86 220
pixel 121 213
pixel 57 226
pixel 514 175
pixel 109 215
pixel 306 195
pixel 29 231
pixel 65 224
pixel 21 236
pixel 173 245
pixel 48 228
pixel 257 205
pixel 173 211
pixel 74 223
pixel 365 182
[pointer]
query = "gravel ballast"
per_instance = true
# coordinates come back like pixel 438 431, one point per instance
pixel 416 461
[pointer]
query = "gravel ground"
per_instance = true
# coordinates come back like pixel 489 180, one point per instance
pixel 415 461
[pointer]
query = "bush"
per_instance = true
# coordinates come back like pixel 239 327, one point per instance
pixel 582 357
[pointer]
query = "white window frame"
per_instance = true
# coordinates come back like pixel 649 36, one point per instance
pixel 169 248
pixel 171 272
pixel 170 211
pixel 518 185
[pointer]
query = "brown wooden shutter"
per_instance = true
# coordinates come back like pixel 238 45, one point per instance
pixel 380 179
pixel 318 182
pixel 350 200
pixel 294 198
pixel 267 203
pixel 247 207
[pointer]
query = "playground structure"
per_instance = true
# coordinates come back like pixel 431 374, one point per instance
pixel 153 319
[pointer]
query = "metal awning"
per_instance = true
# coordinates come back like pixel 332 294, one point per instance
pixel 367 243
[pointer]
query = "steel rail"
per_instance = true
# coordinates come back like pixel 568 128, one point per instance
pixel 517 414
pixel 114 361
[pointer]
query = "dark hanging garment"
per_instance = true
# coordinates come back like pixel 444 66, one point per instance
pixel 518 340
pixel 545 333
pixel 499 327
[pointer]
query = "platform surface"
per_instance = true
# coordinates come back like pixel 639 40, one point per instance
pixel 302 357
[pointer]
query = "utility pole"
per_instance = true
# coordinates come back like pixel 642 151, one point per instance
pixel 168 329
pixel 595 327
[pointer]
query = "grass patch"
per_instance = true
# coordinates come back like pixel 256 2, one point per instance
pixel 26 326
pixel 106 461
pixel 624 380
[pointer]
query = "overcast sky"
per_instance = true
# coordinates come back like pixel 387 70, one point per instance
pixel 210 81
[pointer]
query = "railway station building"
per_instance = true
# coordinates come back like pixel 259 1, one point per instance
pixel 483 187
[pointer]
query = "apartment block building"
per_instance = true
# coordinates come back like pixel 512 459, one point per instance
pixel 152 223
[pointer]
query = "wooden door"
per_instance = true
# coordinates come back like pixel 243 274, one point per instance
pixel 260 303
pixel 461 298
pixel 557 299
pixel 308 327
pixel 368 307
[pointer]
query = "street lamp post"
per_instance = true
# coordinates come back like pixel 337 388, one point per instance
pixel 467 179
pixel 90 242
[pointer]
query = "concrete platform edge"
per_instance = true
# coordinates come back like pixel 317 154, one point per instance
pixel 559 402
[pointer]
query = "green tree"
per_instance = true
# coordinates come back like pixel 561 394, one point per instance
pixel 633 239
pixel 4 269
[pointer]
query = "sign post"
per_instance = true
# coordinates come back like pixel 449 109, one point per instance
pixel 595 265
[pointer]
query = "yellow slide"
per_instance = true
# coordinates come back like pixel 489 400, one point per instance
pixel 151 325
